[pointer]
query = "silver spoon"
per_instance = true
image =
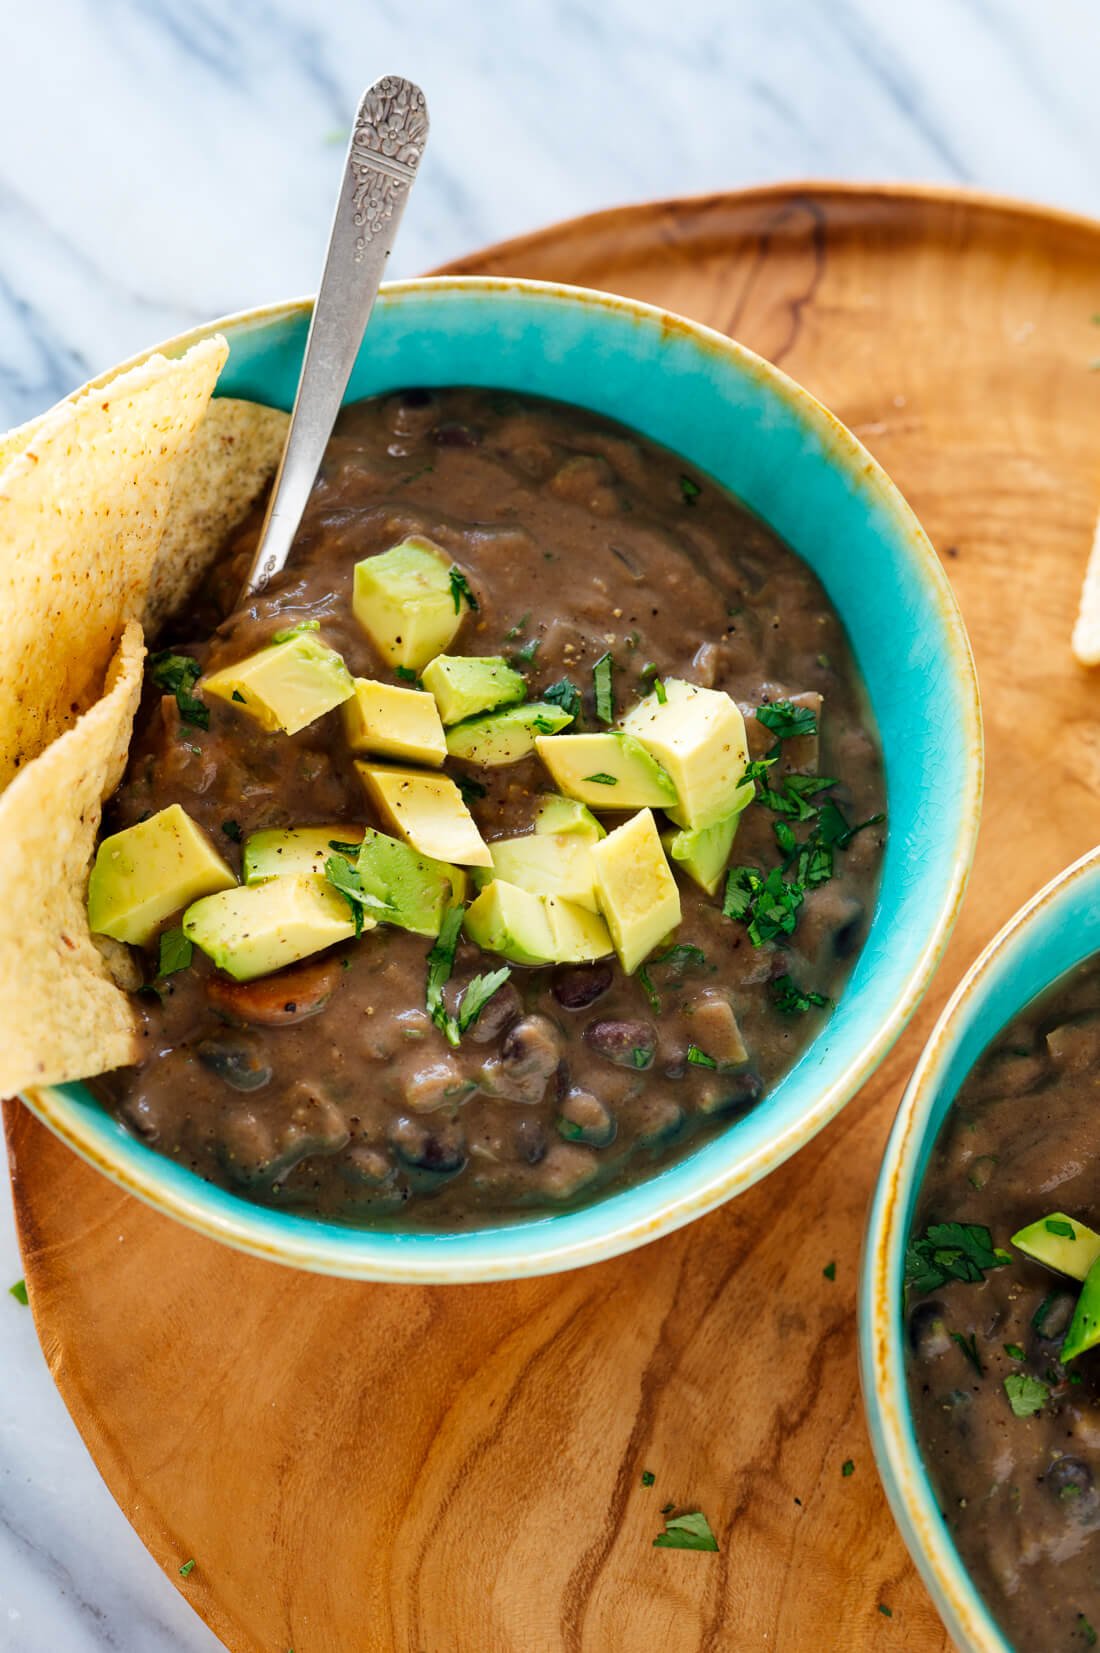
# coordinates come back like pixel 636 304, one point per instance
pixel 387 141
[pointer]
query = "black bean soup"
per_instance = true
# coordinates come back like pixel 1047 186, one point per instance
pixel 329 1087
pixel 1009 1426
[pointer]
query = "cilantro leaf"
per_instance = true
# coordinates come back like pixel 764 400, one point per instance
pixel 1014 1351
pixel 232 830
pixel 601 778
pixel 187 1569
pixel 951 1251
pixel 834 829
pixel 969 1347
pixel 660 691
pixel 175 952
pixel 477 995
pixel 790 999
pixel 345 878
pixel 518 629
pixel 793 794
pixel 829 1271
pixel 674 963
pixel 525 654
pixel 786 720
pixel 177 674
pixel 686 1532
pixel 1059 1225
pixel 699 1058
pixel 460 589
pixel 689 493
pixel 288 632
pixel 565 694
pixel 605 694
pixel 471 790
pixel 1026 1395
pixel 19 1292
pixel 848 1467
pixel 767 904
pixel 441 961
pixel 648 1477
pixel 406 674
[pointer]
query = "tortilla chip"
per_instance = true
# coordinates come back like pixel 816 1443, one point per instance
pixel 232 455
pixel 83 504
pixel 63 1017
pixel 1086 633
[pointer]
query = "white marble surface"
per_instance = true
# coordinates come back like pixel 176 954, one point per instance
pixel 163 161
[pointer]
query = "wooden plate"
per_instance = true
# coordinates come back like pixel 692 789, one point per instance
pixel 359 1467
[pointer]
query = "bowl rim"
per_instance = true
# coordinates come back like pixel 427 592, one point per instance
pixel 249 1227
pixel 881 1354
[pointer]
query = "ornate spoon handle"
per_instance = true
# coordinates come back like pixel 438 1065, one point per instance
pixel 391 129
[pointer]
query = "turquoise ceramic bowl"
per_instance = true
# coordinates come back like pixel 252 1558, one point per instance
pixel 735 416
pixel 1057 929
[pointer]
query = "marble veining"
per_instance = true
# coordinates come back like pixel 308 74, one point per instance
pixel 163 161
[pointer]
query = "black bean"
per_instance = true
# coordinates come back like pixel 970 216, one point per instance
pixel 584 1118
pixel 1068 1478
pixel 454 435
pixel 439 1147
pixel 504 1008
pixel 848 937
pixel 928 1334
pixel 628 1044
pixel 417 396
pixel 529 1055
pixel 576 986
pixel 366 1167
pixel 730 1093
pixel 235 1061
pixel 530 1140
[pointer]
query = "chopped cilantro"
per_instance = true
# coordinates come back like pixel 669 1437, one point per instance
pixel 565 694
pixel 601 778
pixel 460 589
pixel 177 674
pixel 969 1347
pixel 477 995
pixel 667 1509
pixel 524 655
pixel 238 697
pixel 19 1292
pixel 1038 1319
pixel 641 1056
pixel 786 720
pixel 1058 1225
pixel 232 830
pixel 346 879
pixel 187 1569
pixel 789 998
pixel 686 1532
pixel 517 630
pixel 951 1251
pixel 674 962
pixel 848 1467
pixel 689 493
pixel 833 829
pixel 1014 1351
pixel 471 790
pixel 288 632
pixel 887 1612
pixel 829 1271
pixel 1086 1628
pixel 793 794
pixel 441 962
pixel 175 952
pixel 660 691
pixel 543 725
pixel 406 674
pixel 569 1129
pixel 648 1477
pixel 605 694
pixel 767 904
pixel 1026 1394
pixel 699 1058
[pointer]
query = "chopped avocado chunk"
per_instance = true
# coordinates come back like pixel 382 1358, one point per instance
pixel 703 854
pixel 465 685
pixel 578 933
pixel 611 770
pixel 557 814
pixel 1061 1243
pixel 507 920
pixel 558 865
pixel 259 928
pixel 390 722
pixel 148 872
pixel 1084 1328
pixel 416 889
pixel 637 892
pixel 698 735
pixel 286 685
pixel 427 811
pixel 404 602
pixel 294 849
pixel 507 736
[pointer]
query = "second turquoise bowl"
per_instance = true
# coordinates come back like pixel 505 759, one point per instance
pixel 1057 929
pixel 733 415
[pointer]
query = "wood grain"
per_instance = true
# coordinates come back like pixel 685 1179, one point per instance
pixel 359 1468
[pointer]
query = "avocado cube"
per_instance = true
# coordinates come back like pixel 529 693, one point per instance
pixel 466 684
pixel 561 865
pixel 258 928
pixel 512 922
pixel 637 892
pixel 704 854
pixel 294 849
pixel 556 814
pixel 390 722
pixel 1084 1328
pixel 417 890
pixel 505 737
pixel 577 933
pixel 148 872
pixel 285 685
pixel 698 736
pixel 427 811
pixel 1071 1253
pixel 611 770
pixel 404 601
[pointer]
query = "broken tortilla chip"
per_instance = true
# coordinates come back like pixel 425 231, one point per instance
pixel 83 504
pixel 1086 633
pixel 63 1015
pixel 232 456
